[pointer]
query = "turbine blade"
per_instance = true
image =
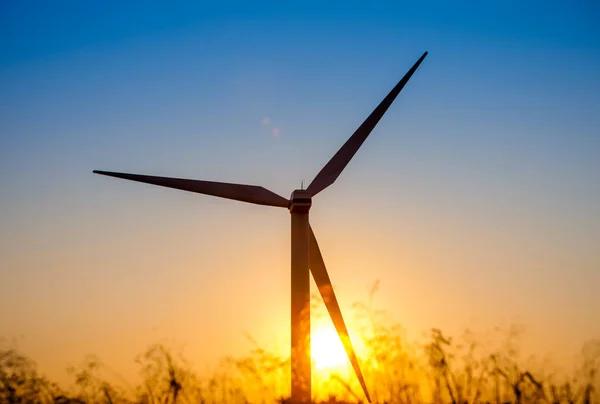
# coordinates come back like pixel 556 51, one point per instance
pixel 331 171
pixel 238 192
pixel 319 272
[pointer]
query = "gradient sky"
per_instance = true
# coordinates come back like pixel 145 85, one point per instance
pixel 476 200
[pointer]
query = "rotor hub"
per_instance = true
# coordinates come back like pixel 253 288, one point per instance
pixel 300 201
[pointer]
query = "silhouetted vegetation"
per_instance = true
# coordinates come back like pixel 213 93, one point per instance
pixel 469 369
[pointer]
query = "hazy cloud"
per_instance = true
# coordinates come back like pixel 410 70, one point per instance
pixel 276 131
pixel 265 121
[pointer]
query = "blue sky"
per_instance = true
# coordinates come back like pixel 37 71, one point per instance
pixel 480 182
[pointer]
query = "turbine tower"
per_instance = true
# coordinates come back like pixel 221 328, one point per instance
pixel 306 256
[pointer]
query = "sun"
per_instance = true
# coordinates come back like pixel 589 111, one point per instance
pixel 327 350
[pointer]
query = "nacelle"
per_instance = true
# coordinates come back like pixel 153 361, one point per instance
pixel 300 201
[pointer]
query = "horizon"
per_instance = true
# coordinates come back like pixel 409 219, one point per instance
pixel 475 201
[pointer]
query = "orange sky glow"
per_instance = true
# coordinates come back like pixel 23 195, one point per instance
pixel 474 204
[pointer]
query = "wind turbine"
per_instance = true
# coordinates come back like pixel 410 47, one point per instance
pixel 306 255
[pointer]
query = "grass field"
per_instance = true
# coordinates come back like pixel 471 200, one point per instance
pixel 440 369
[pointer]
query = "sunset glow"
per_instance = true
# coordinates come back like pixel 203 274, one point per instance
pixel 473 205
pixel 327 350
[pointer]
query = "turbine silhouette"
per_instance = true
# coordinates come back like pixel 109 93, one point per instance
pixel 306 256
